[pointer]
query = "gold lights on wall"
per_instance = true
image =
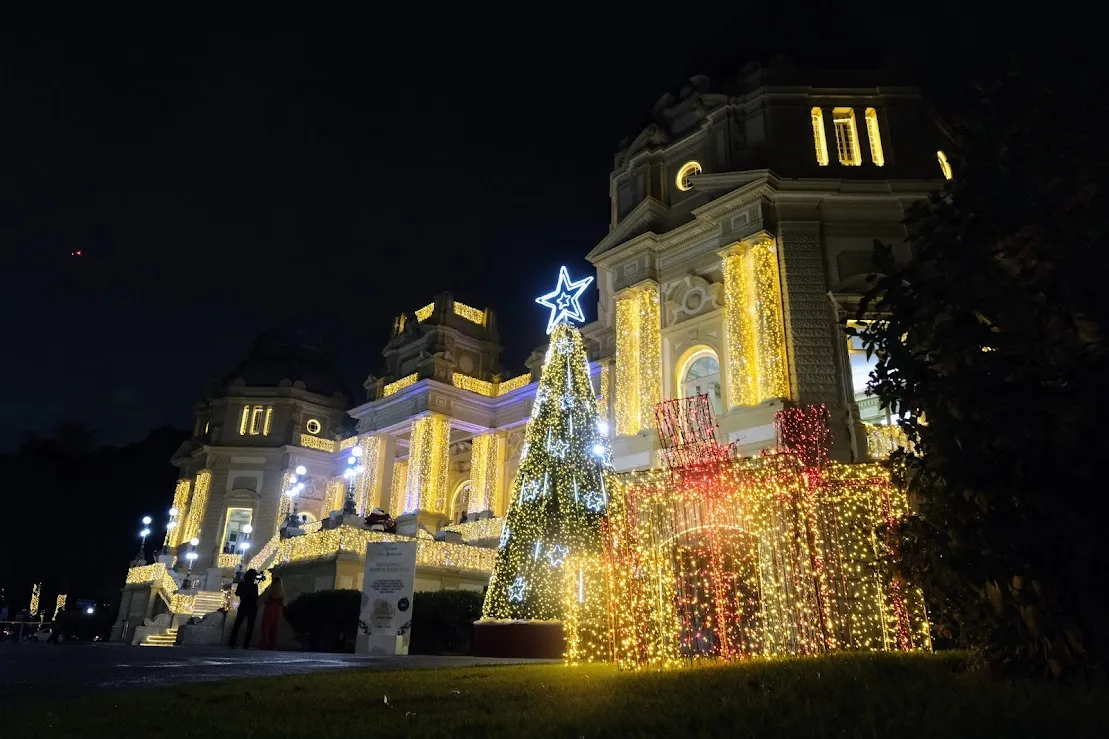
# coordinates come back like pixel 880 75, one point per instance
pixel 397 489
pixel 945 166
pixel 820 141
pixel 180 502
pixel 347 443
pixel 482 530
pixel 400 384
pixel 469 313
pixel 422 314
pixel 228 559
pixel 365 484
pixel 255 420
pixel 59 604
pixel 638 359
pixel 485 455
pixel 754 325
pixel 517 382
pixel 875 136
pixel 883 439
pixel 847 137
pixel 474 385
pixel 689 169
pixel 602 401
pixel 197 506
pixel 428 461
pixel 36 594
pixel 336 494
pixel 315 442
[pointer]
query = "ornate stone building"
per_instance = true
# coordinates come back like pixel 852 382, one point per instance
pixel 741 232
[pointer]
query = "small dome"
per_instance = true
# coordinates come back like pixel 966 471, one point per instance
pixel 288 356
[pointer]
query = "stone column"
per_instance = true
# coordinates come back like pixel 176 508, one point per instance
pixel 753 323
pixel 638 357
pixel 485 457
pixel 810 324
pixel 428 460
pixel 370 487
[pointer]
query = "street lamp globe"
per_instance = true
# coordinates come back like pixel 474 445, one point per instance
pixel 90 610
pixel 173 511
pixel 301 470
pixel 247 529
pixel 194 541
pixel 356 451
pixel 146 520
pixel 144 533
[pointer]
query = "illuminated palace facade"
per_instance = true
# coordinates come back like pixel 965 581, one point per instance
pixel 742 226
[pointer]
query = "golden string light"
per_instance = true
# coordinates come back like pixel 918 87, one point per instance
pixel 428 461
pixel 36 592
pixel 59 604
pixel 366 483
pixel 754 325
pixel 400 384
pixel 517 382
pixel 180 502
pixel 485 456
pixel 227 559
pixel 197 506
pixel 422 314
pixel 881 440
pixel 347 443
pixel 469 313
pixel 308 441
pixel 474 385
pixel 336 494
pixel 638 359
pixel 482 530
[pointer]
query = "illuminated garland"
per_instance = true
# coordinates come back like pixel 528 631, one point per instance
pixel 308 441
pixel 36 590
pixel 773 555
pixel 396 492
pixel 428 462
pixel 517 382
pixel 422 314
pixel 549 562
pixel 347 443
pixel 336 494
pixel 59 604
pixel 470 314
pixel 228 559
pixel 485 457
pixel 197 506
pixel 881 440
pixel 483 530
pixel 400 384
pixel 180 502
pixel 638 359
pixel 366 483
pixel 474 385
pixel 754 325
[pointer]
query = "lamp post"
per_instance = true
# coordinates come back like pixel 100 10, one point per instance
pixel 141 558
pixel 353 470
pixel 296 486
pixel 191 557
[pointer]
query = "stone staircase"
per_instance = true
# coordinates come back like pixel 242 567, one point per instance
pixel 206 602
pixel 166 639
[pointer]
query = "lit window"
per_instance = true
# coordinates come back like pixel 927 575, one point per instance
pixel 818 137
pixel 233 534
pixel 688 170
pixel 945 166
pixel 870 410
pixel 847 137
pixel 256 420
pixel 702 377
pixel 313 426
pixel 875 137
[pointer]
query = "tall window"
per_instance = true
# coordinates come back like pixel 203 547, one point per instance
pixel 945 166
pixel 875 137
pixel 847 137
pixel 702 377
pixel 819 140
pixel 256 420
pixel 861 367
pixel 233 534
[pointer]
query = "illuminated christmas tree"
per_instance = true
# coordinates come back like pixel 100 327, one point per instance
pixel 551 546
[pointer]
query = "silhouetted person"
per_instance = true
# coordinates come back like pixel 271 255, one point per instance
pixel 248 606
pixel 271 614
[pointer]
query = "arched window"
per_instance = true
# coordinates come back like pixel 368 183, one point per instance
pixel 700 375
pixel 460 501
pixel 688 170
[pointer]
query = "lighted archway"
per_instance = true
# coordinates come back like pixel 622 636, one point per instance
pixel 698 371
pixel 460 499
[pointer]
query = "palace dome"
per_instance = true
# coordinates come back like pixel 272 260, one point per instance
pixel 288 357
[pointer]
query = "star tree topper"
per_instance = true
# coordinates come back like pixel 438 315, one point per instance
pixel 563 301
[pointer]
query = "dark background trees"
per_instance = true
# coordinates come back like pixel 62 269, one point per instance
pixel 73 511
pixel 994 348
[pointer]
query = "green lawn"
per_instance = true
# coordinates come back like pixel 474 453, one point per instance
pixel 844 695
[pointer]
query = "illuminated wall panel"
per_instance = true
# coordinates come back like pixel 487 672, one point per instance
pixel 429 455
pixel 484 472
pixel 638 359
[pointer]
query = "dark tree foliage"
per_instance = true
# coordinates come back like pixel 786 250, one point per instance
pixel 74 512
pixel 443 621
pixel 994 350
pixel 326 620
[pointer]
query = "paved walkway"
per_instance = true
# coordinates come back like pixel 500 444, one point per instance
pixel 47 671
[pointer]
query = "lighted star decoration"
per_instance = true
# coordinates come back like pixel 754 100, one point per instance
pixel 529 491
pixel 564 345
pixel 516 590
pixel 557 554
pixel 594 501
pixel 504 536
pixel 566 402
pixel 560 448
pixel 564 300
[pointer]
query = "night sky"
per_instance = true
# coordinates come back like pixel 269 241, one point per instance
pixel 223 174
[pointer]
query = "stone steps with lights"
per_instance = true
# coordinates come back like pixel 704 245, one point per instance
pixel 206 602
pixel 166 639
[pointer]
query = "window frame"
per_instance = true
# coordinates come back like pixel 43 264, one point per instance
pixel 847 142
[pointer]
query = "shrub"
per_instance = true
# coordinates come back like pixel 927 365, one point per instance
pixel 325 621
pixel 443 621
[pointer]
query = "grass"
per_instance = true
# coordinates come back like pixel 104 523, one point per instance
pixel 850 695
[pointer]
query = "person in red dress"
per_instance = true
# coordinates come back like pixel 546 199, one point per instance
pixel 271 616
